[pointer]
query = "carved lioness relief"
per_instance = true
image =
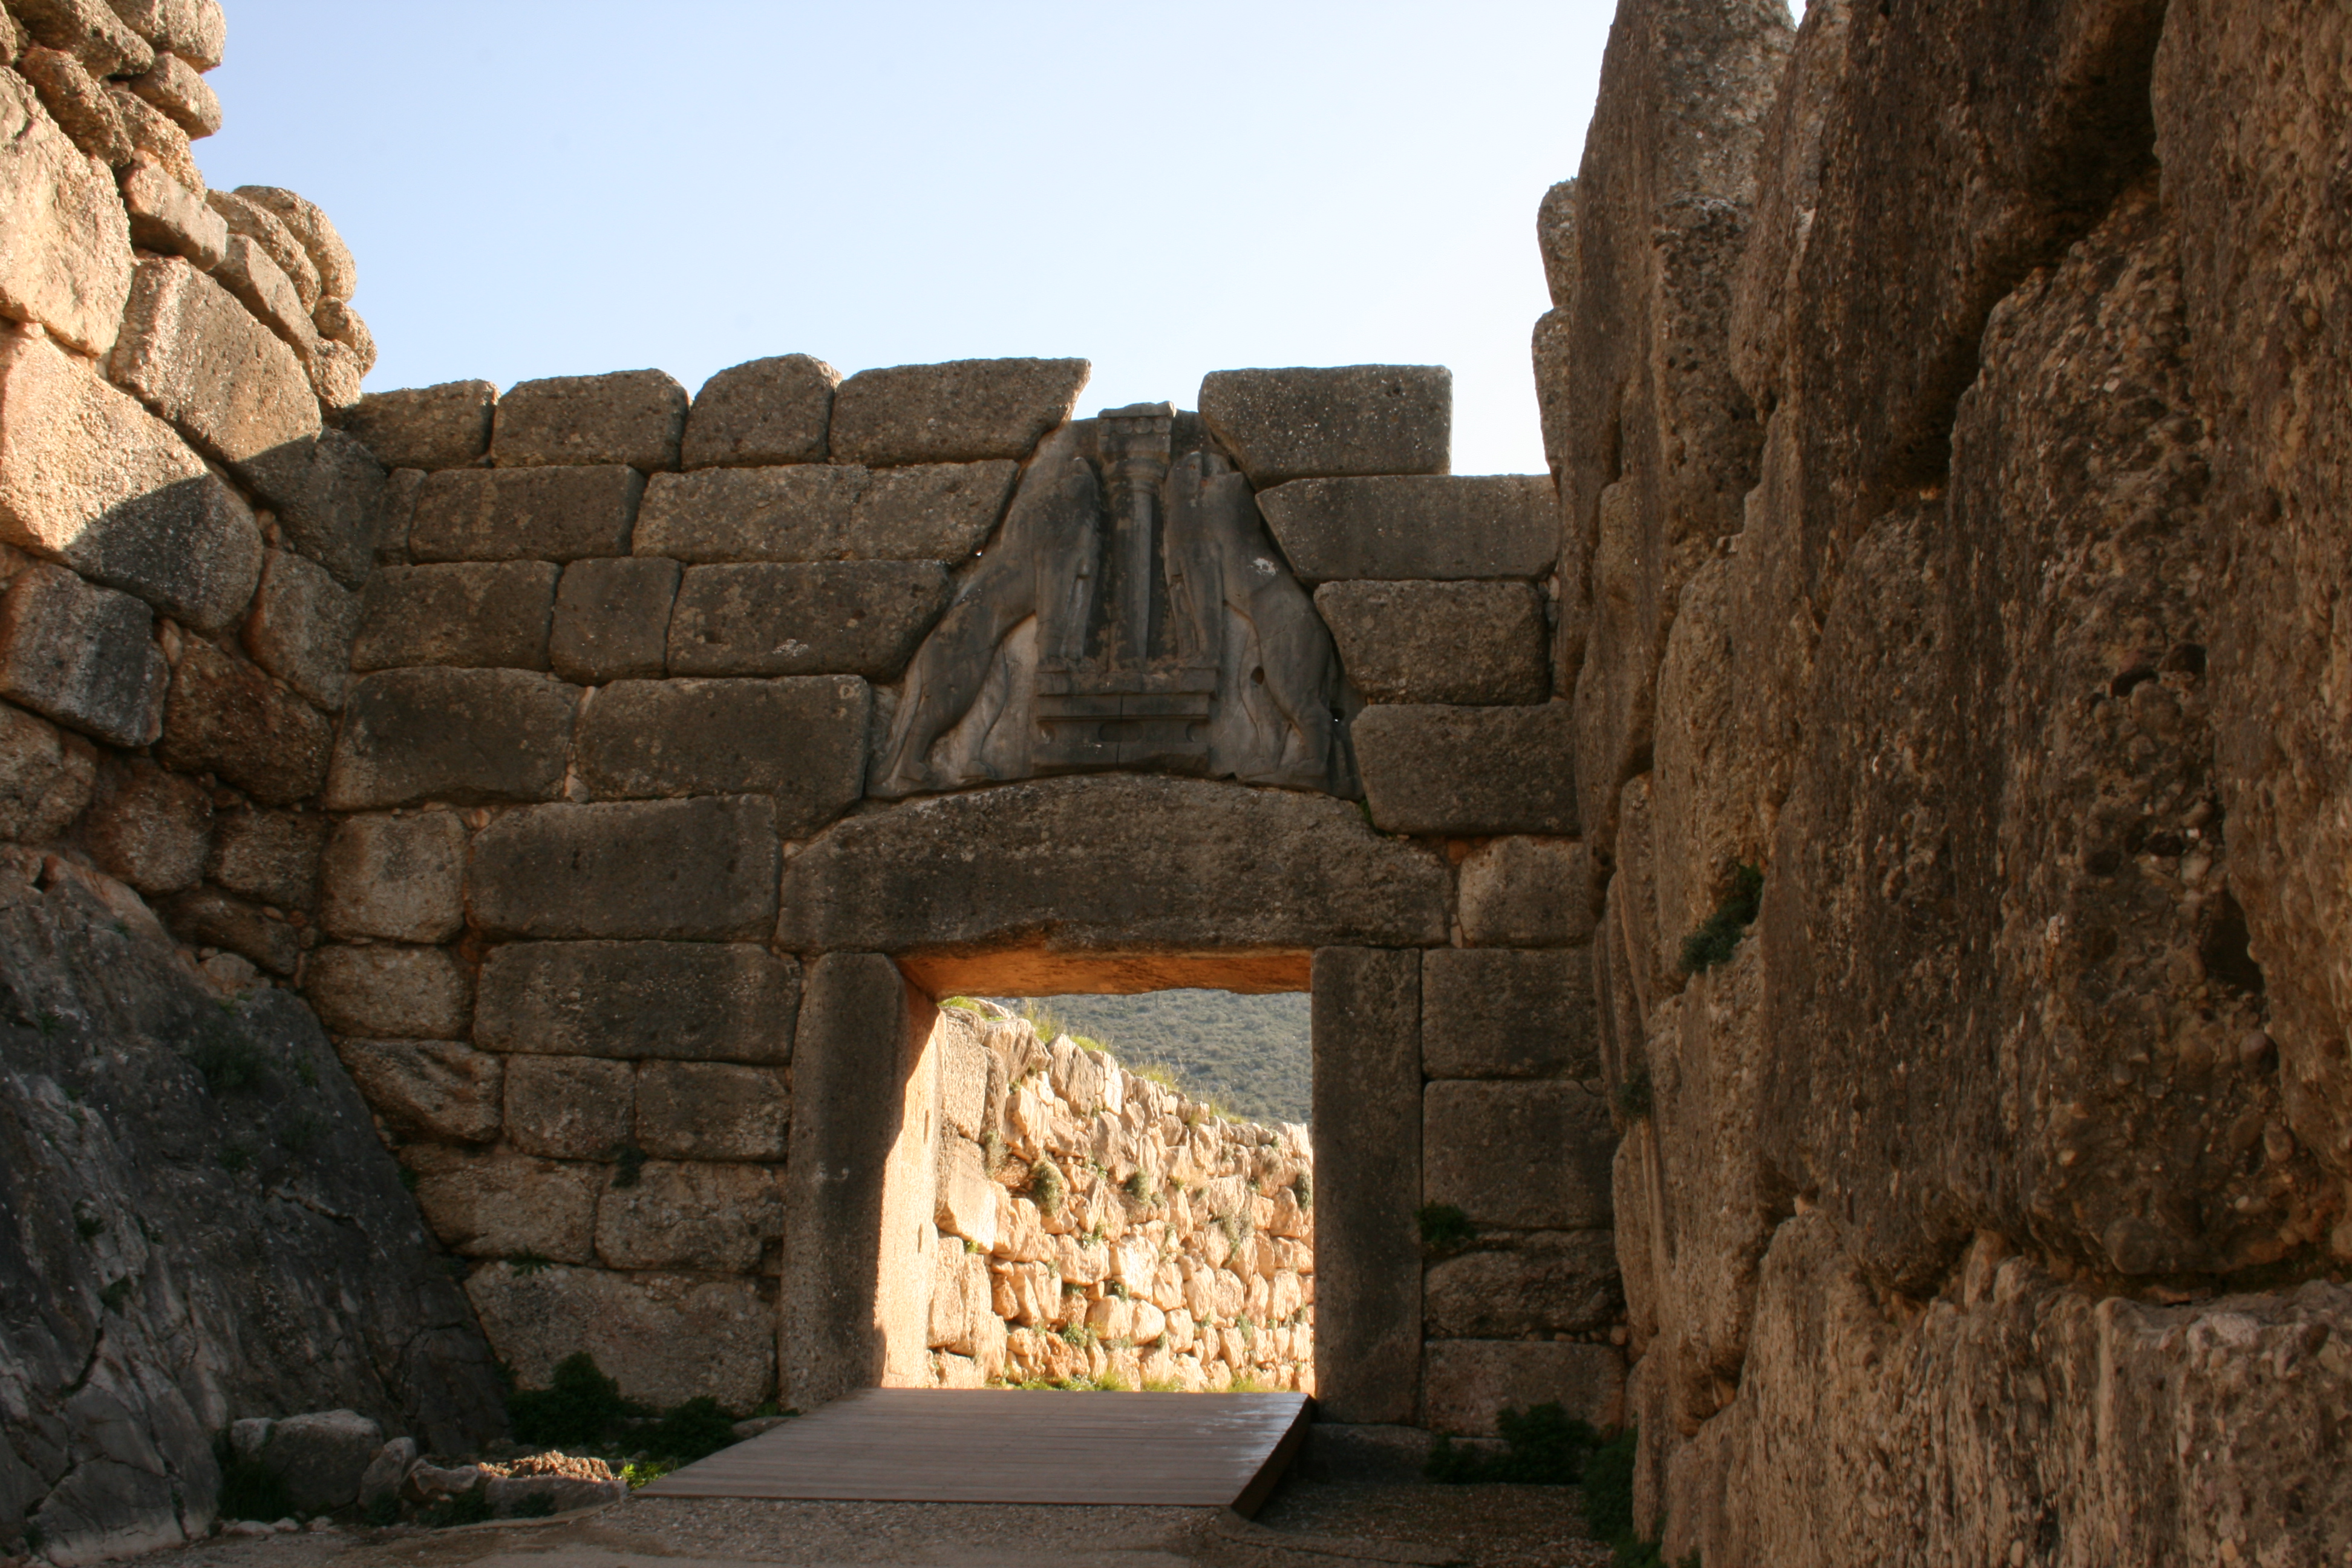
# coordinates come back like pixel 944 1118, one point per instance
pixel 1133 615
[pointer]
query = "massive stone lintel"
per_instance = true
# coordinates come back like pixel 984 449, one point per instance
pixel 1111 862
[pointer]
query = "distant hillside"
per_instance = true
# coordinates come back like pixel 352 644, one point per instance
pixel 1247 1053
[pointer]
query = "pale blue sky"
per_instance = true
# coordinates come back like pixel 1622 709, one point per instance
pixel 543 188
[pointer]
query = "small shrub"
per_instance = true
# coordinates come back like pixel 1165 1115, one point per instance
pixel 1633 1093
pixel 690 1431
pixel 384 1511
pixel 1443 1228
pixel 575 1409
pixel 1160 1385
pixel 527 1263
pixel 640 1471
pixel 1302 1187
pixel 47 1024
pixel 1609 1488
pixel 963 1004
pixel 1089 1043
pixel 1248 1384
pixel 1140 1188
pixel 1045 1020
pixel 251 1489
pixel 1117 1288
pixel 1110 1382
pixel 1046 1186
pixel 307 1070
pixel 301 1131
pixel 1718 935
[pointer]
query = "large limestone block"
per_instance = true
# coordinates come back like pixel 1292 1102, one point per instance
pixel 193 29
pixel 492 614
pixel 832 511
pixel 703 868
pixel 1514 1284
pixel 330 496
pixel 1468 770
pixel 176 88
pixel 443 1091
pixel 394 879
pixel 149 827
pixel 91 31
pixel 458 735
pixel 766 411
pixel 166 216
pixel 91 478
pixel 321 1457
pixel 966 1197
pixel 683 1001
pixel 1415 527
pixel 46 777
pixel 497 1203
pixel 1519 891
pixel 1282 424
pixel 227 718
pixel 692 1215
pixel 301 627
pixel 1468 1383
pixel 835 617
pixel 1440 642
pixel 801 740
pixel 957 412
pixel 1526 1155
pixel 83 106
pixel 664 1337
pixel 712 1110
pixel 1496 1013
pixel 65 240
pixel 525 514
pixel 1108 862
pixel 390 993
pixel 271 856
pixel 612 619
pixel 443 426
pixel 194 356
pixel 261 286
pixel 1367 1079
pixel 82 655
pixel 206 917
pixel 569 1108
pixel 268 230
pixel 338 272
pixel 632 417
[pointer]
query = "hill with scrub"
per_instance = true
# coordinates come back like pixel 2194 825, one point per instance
pixel 1247 1054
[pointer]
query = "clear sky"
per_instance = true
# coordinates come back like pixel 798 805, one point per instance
pixel 543 188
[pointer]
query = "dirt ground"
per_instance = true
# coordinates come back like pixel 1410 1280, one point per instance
pixel 1305 1524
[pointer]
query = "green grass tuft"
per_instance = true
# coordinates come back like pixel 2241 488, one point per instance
pixel 1718 935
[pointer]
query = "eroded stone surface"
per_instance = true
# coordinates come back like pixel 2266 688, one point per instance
pixel 1494 1013
pixel 1528 1155
pixel 845 617
pixel 761 411
pixel 692 1001
pixel 666 1337
pixel 412 735
pixel 1465 771
pixel 833 511
pixel 702 867
pixel 957 412
pixel 800 741
pixel 634 416
pixel 525 514
pixel 443 426
pixel 1470 1380
pixel 490 614
pixel 1415 527
pixel 1440 642
pixel 1283 424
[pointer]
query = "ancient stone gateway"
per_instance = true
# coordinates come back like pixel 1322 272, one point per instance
pixel 698 751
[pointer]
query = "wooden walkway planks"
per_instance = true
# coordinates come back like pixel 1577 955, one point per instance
pixel 921 1445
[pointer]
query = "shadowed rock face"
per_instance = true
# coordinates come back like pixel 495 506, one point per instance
pixel 202 1226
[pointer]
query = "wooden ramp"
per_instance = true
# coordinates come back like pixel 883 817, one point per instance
pixel 922 1445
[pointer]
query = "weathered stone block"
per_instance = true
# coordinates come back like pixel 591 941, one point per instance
pixel 1526 892
pixel 632 417
pixel 301 627
pixel 225 717
pixel 1528 1155
pixel 686 1001
pixel 268 230
pixel 801 740
pixel 664 1337
pixel 1414 529
pixel 84 656
pixel 83 109
pixel 480 613
pixel 193 29
pixel 1440 642
pixel 712 1110
pixel 1495 1013
pixel 330 494
pixel 957 412
pixel 321 1457
pixel 1468 770
pixel 401 488
pixel 1531 1283
pixel 1468 1383
pixel 612 619
pixel 486 1203
pixel 830 511
pixel 700 1216
pixel 843 617
pixel 198 358
pixel 443 426
pixel 65 242
pixel 455 735
pixel 1367 1079
pixel 206 917
pixel 767 411
pixel 261 286
pixel 443 1091
pixel 390 993
pixel 271 856
pixel 91 478
pixel 965 1199
pixel 676 869
pixel 394 879
pixel 569 1108
pixel 526 514
pixel 1174 863
pixel 153 133
pixel 176 87
pixel 149 827
pixel 46 777
pixel 338 273
pixel 1283 424
pixel 166 216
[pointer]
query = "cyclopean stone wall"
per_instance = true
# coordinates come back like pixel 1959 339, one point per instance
pixel 1949 406
pixel 676 782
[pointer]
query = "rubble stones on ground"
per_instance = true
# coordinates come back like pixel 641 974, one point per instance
pixel 321 1457
pixel 763 412
pixel 1284 425
pixel 961 411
